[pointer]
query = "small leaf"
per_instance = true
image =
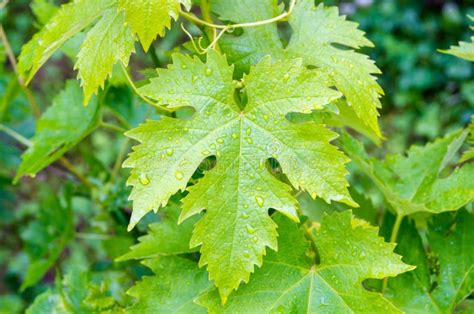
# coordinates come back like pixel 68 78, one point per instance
pixel 60 128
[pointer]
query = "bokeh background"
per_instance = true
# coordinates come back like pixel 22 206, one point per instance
pixel 427 94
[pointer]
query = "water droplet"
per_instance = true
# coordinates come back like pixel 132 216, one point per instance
pixel 313 195
pixel 208 72
pixel 179 175
pixel 169 152
pixel 255 239
pixel 362 255
pixel 220 140
pixel 250 229
pixel 248 131
pixel 265 117
pixel 249 140
pixel 234 135
pixel 143 178
pixel 244 215
pixel 286 77
pixel 183 66
pixel 194 79
pixel 259 200
pixel 184 162
pixel 246 254
pixel 205 152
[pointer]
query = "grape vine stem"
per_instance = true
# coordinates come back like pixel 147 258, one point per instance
pixel 160 109
pixel 393 239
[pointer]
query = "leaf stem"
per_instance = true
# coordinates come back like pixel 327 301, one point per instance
pixel 12 60
pixel 15 135
pixel 393 239
pixel 161 109
pixel 112 127
pixel 210 31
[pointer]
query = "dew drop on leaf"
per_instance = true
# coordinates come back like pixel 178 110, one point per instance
pixel 169 152
pixel 143 178
pixel 260 201
pixel 179 175
pixel 250 229
pixel 208 72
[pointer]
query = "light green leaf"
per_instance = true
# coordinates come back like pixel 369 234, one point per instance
pixel 108 42
pixel 464 50
pixel 165 237
pixel 290 282
pixel 413 183
pixel 439 289
pixel 60 128
pixel 69 20
pixel 315 32
pixel 176 283
pixel 149 18
pixel 238 191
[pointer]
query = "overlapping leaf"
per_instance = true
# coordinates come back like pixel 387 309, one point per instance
pixel 239 190
pixel 60 128
pixel 149 18
pixel 436 287
pixel 469 153
pixel 316 33
pixel 290 282
pixel 414 183
pixel 172 290
pixel 165 237
pixel 109 41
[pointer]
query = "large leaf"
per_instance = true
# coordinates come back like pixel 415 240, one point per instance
pixel 316 34
pixel 438 289
pixel 108 42
pixel 149 18
pixel 60 128
pixel 172 290
pixel 68 21
pixel 239 190
pixel 464 50
pixel 416 182
pixel 290 282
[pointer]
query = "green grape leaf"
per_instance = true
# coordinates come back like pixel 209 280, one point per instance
pixel 108 42
pixel 60 128
pixel 149 18
pixel 316 33
pixel 165 237
pixel 290 282
pixel 176 283
pixel 414 183
pixel 238 191
pixel 68 21
pixel 436 287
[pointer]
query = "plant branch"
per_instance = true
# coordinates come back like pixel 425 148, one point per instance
pixel 12 60
pixel 23 140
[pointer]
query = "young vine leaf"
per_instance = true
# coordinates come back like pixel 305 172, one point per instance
pixel 414 183
pixel 316 33
pixel 165 237
pixel 289 281
pixel 60 128
pixel 436 287
pixel 239 190
pixel 108 42
pixel 465 50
